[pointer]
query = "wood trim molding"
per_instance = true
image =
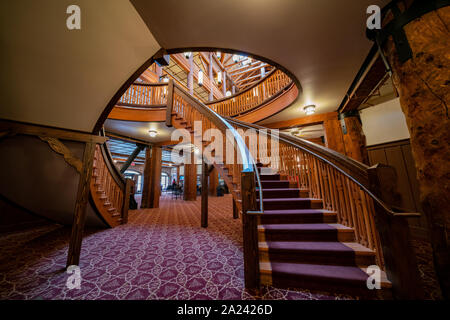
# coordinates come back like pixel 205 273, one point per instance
pixel 140 115
pixel 308 120
pixel 60 148
pixel 14 127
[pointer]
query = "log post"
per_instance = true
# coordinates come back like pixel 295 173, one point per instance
pixel 79 217
pixel 353 137
pixel 250 231
pixel 424 88
pixel 204 218
pixel 190 180
pixel 213 182
pixel 399 257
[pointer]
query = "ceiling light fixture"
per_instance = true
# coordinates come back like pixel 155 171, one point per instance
pixel 309 110
pixel 218 54
pixel 187 55
pixel 228 93
pixel 152 133
pixel 235 58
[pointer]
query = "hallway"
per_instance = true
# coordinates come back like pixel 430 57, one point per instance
pixel 160 254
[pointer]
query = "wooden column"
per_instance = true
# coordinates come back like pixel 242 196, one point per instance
pixel 152 178
pixel 211 77
pixel 213 182
pixel 79 217
pixel 204 218
pixel 333 135
pixel 399 257
pixel 190 180
pixel 235 210
pixel 354 138
pixel 423 85
pixel 129 185
pixel 250 231
pixel 146 179
pixel 178 174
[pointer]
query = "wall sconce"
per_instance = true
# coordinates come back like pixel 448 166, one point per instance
pixel 152 133
pixel 309 110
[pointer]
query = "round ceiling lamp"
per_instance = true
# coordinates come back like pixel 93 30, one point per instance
pixel 309 110
pixel 152 133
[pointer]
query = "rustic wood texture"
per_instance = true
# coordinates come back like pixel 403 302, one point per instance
pixel 333 135
pixel 213 182
pixel 355 140
pixel 152 179
pixel 79 218
pixel 59 147
pixel 424 87
pixel 190 181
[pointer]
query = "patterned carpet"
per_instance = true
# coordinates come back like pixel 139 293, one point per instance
pixel 160 254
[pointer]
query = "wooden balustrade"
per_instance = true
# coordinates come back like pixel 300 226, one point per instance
pixel 253 97
pixel 157 95
pixel 108 190
pixel 144 95
pixel 324 179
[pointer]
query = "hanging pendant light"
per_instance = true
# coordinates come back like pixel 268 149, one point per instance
pixel 235 58
pixel 219 77
pixel 218 54
pixel 200 77
pixel 187 55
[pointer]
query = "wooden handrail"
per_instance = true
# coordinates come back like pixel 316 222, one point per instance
pixel 340 182
pixel 144 95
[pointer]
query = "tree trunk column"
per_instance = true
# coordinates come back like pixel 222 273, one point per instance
pixel 354 138
pixel 423 83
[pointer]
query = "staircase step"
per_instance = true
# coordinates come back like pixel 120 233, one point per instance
pixel 292 203
pixel 280 193
pixel 298 216
pixel 305 232
pixel 264 177
pixel 274 184
pixel 325 252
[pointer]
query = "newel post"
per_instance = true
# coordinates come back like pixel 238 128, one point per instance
pixel 399 257
pixel 250 231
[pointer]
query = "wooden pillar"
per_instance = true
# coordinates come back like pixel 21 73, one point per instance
pixel 152 178
pixel 204 218
pixel 190 180
pixel 333 135
pixel 399 257
pixel 178 174
pixel 158 72
pixel 211 77
pixel 129 185
pixel 190 78
pixel 235 210
pixel 213 182
pixel 250 231
pixel 79 217
pixel 353 137
pixel 423 85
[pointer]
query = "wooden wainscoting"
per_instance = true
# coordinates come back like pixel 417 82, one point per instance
pixel 398 154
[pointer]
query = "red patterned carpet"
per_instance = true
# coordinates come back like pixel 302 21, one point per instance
pixel 160 254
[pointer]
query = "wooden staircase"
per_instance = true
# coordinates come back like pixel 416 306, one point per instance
pixel 301 245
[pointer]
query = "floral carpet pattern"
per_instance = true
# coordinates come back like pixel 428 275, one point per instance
pixel 160 254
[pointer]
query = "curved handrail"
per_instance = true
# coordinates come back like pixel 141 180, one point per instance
pixel 333 158
pixel 248 162
pixel 252 98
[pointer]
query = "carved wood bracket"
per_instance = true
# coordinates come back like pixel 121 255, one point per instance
pixel 59 147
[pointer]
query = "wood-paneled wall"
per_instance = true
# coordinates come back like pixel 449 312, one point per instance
pixel 398 154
